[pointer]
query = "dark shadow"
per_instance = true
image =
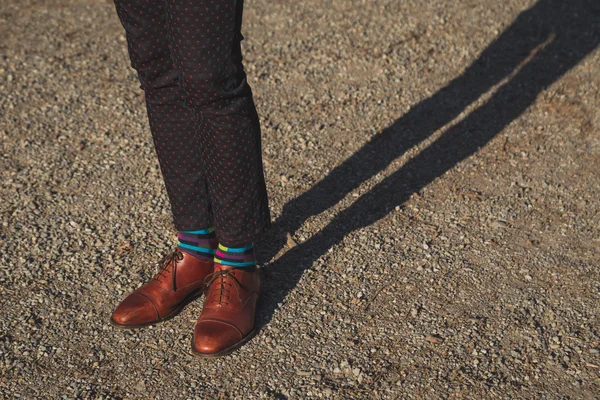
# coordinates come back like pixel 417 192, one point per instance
pixel 542 44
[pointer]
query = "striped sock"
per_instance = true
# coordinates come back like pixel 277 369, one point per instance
pixel 235 256
pixel 199 243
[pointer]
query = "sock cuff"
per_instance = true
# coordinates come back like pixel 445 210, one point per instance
pixel 200 243
pixel 235 249
pixel 200 231
pixel 235 256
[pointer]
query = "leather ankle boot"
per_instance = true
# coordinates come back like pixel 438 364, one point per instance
pixel 180 280
pixel 228 318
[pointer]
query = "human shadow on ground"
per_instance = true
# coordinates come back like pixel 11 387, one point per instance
pixel 542 44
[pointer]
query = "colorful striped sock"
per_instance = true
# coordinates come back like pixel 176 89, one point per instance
pixel 200 243
pixel 235 256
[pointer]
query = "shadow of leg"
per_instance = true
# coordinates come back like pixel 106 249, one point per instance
pixel 496 63
pixel 572 42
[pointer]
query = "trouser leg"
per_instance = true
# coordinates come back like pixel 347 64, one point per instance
pixel 205 36
pixel 172 122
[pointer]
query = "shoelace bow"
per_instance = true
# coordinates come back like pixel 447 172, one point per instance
pixel 169 260
pixel 223 292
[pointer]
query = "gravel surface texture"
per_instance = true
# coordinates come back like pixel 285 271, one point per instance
pixel 432 169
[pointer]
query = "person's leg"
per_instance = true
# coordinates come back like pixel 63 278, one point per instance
pixel 172 122
pixel 175 135
pixel 205 38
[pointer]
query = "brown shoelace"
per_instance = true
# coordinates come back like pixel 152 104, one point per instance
pixel 169 260
pixel 223 291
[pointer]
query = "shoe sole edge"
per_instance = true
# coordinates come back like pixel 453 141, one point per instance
pixel 227 350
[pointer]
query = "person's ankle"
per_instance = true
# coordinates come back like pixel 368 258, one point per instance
pixel 243 257
pixel 200 243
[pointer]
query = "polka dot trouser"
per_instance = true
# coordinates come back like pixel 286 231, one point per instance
pixel 202 116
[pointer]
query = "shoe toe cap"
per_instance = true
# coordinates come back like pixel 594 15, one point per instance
pixel 134 310
pixel 212 337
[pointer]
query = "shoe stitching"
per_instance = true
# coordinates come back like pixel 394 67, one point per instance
pixel 222 322
pixel 150 300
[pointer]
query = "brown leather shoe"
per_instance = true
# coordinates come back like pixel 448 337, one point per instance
pixel 180 280
pixel 228 318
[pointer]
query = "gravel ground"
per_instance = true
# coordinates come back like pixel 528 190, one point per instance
pixel 433 174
